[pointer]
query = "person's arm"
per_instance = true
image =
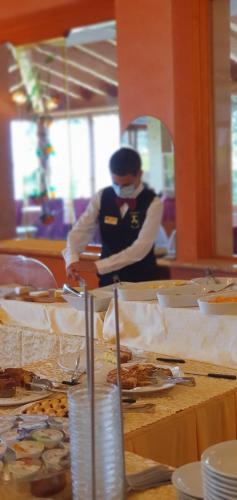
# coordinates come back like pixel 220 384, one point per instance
pixel 141 246
pixel 81 233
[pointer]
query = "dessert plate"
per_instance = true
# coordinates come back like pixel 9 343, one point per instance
pixel 23 396
pixel 148 390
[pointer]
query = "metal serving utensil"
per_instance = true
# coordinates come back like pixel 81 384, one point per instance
pixel 43 384
pixel 160 379
pixel 209 273
pixel 69 289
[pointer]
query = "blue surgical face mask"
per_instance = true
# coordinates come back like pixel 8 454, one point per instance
pixel 124 191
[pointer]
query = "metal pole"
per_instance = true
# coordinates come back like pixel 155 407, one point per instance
pixel 92 398
pixel 116 312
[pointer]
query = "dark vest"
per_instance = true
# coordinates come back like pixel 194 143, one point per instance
pixel 118 233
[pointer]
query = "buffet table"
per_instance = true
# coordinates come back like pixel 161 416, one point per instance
pixel 183 332
pixel 30 331
pixel 186 420
pixel 134 464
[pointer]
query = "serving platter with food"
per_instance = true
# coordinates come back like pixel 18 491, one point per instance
pixel 148 378
pixel 145 290
pixel 28 294
pixel 219 303
pixel 16 387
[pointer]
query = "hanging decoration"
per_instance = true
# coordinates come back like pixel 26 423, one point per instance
pixel 43 152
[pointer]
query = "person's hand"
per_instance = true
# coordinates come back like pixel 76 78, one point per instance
pixel 73 271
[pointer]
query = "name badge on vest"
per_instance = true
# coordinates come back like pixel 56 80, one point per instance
pixel 134 220
pixel 113 221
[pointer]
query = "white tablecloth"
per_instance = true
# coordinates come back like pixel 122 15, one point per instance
pixel 54 318
pixel 30 331
pixel 183 332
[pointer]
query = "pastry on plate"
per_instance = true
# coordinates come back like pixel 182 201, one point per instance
pixel 137 375
pixel 111 356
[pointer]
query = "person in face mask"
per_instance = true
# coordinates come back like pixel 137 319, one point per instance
pixel 129 215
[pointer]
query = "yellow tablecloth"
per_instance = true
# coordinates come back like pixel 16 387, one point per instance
pixel 135 463
pixel 186 419
pixel 184 332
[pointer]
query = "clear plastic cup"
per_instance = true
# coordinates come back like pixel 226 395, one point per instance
pixel 108 444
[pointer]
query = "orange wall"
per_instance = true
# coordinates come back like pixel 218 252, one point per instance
pixel 164 55
pixel 34 20
pixel 145 60
pixel 193 139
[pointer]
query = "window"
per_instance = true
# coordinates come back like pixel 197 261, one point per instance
pixel 79 165
pixel 25 161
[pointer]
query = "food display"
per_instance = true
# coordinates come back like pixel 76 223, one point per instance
pixel 110 354
pixel 38 455
pixel 145 290
pixel 221 299
pixel 42 296
pixel 220 304
pixel 137 375
pixel 56 407
pixel 11 378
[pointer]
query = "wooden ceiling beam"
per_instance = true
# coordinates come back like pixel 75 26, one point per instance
pixel 75 64
pixel 105 49
pixel 60 89
pixel 95 54
pixel 87 82
pixel 99 68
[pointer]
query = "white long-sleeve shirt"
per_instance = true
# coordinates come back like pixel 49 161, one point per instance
pixel 82 232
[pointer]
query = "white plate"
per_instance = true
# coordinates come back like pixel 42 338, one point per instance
pixel 221 459
pixel 23 396
pixel 219 480
pixel 148 390
pixel 187 480
pixel 207 307
pixel 145 290
pixel 219 486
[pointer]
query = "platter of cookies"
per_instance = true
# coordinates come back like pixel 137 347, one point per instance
pixel 53 407
pixel 15 387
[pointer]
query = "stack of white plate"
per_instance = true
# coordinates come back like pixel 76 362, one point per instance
pixel 188 482
pixel 219 471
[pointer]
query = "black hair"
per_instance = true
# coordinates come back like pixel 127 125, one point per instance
pixel 125 161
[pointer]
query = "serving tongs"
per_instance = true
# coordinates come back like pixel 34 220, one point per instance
pixel 161 379
pixel 82 294
pixel 43 384
pixel 69 289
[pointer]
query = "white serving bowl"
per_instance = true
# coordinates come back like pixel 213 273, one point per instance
pixel 207 307
pixel 188 481
pixel 183 296
pixel 210 282
pixel 145 290
pixel 101 300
